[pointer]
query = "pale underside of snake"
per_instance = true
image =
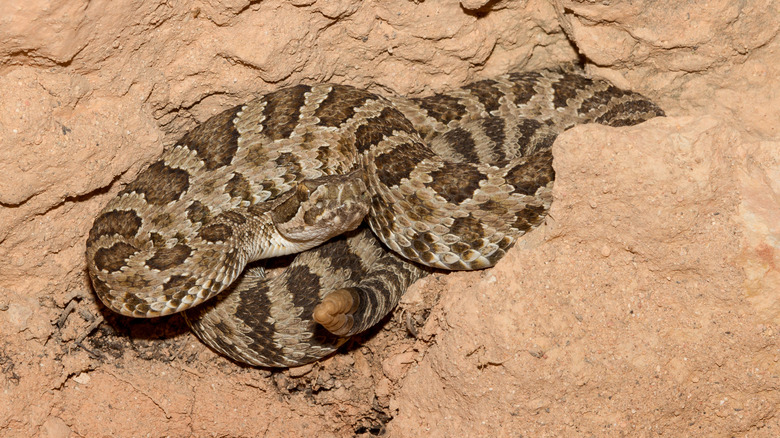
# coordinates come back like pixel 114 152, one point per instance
pixel 448 181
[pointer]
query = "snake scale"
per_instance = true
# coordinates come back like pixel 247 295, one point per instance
pixel 447 181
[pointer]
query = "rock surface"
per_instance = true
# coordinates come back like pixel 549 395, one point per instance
pixel 649 304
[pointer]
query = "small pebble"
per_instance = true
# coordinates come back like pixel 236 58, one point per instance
pixel 54 427
pixel 82 378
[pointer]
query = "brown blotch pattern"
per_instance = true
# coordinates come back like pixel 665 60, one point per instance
pixel 629 113
pixel 340 105
pixel 239 187
pixel 529 175
pixel 469 230
pixel 181 283
pixel 487 93
pixel 397 164
pixel 567 87
pixel 198 213
pixel 257 155
pixel 442 107
pixel 379 127
pixel 122 222
pixel 283 110
pixel 307 285
pixel 462 142
pixel 112 259
pixel 527 129
pixel 231 216
pixel 341 256
pixel 157 239
pixel 600 99
pixel 523 86
pixel 287 209
pixel 455 183
pixel 166 258
pixel 529 217
pixel 159 184
pixel 216 233
pixel 215 140
pixel 100 286
pixel 290 162
pixel 495 128
pixel 496 207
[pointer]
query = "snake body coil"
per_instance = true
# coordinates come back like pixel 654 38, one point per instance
pixel 448 181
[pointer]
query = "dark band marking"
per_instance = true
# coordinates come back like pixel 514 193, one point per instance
pixel 495 129
pixel 100 286
pixel 399 163
pixel 216 233
pixel 290 162
pixel 542 143
pixel 567 88
pixel 180 283
pixel 442 107
pixel 496 208
pixel 159 184
pixel 307 286
pixel 379 127
pixel 282 111
pixel 166 258
pixel 523 86
pixel 239 187
pixel 462 142
pixel 112 259
pixel 340 254
pixel 340 105
pixel 487 93
pixel 157 239
pixel 253 312
pixel 527 129
pixel 125 223
pixel 527 176
pixel 629 113
pixel 198 213
pixel 469 229
pixel 600 99
pixel 529 217
pixel 455 183
pixel 216 140
pixel 134 303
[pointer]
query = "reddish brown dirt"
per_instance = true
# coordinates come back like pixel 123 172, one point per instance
pixel 648 305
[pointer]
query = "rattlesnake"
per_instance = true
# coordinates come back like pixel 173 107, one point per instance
pixel 448 181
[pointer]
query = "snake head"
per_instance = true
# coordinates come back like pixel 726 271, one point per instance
pixel 322 208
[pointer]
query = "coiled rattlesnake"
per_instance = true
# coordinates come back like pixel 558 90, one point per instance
pixel 449 181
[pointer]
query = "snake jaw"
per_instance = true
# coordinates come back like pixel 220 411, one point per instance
pixel 335 312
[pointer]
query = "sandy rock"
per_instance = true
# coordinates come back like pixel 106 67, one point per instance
pixel 54 427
